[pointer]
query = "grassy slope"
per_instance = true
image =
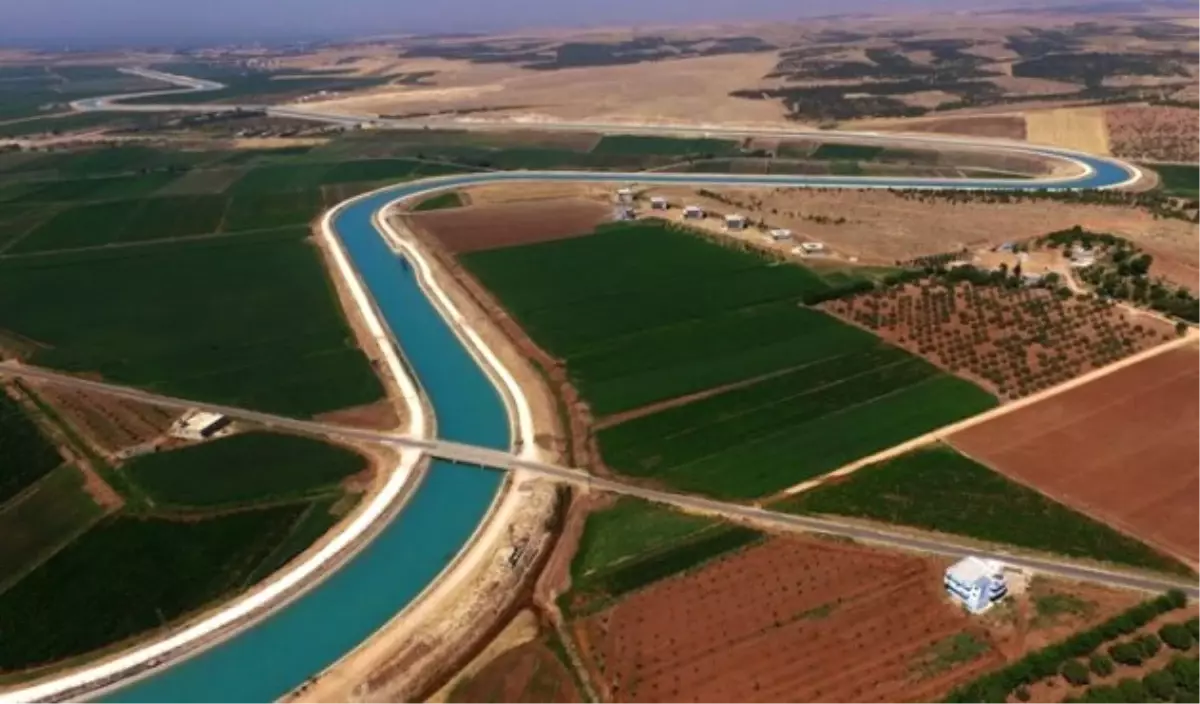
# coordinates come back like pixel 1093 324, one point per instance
pixel 1179 180
pixel 244 468
pixel 939 489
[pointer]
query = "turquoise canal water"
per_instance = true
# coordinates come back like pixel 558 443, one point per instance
pixel 270 659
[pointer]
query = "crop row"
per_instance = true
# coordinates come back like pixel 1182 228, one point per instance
pixel 28 454
pixel 631 301
pixel 817 438
pixel 942 490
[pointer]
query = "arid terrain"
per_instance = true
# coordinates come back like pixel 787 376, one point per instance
pixel 1122 448
pixel 487 226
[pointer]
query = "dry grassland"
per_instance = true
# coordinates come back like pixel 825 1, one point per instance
pixel 687 89
pixel 1083 129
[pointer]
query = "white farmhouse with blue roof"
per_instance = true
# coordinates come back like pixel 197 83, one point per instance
pixel 976 582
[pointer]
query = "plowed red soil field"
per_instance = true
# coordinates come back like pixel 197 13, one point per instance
pixel 476 227
pixel 1122 448
pixel 790 619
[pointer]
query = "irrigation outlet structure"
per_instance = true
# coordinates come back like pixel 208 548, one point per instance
pixel 310 615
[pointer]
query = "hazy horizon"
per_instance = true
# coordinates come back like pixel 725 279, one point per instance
pixel 98 22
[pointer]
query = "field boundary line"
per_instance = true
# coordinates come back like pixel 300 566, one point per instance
pixel 1191 337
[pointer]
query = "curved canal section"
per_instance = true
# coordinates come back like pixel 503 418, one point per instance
pixel 269 659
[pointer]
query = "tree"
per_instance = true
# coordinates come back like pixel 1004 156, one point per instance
pixel 1102 665
pixel 1160 684
pixel 1125 653
pixel 1133 690
pixel 1148 644
pixel 1176 636
pixel 1075 672
pixel 1193 625
pixel 1022 693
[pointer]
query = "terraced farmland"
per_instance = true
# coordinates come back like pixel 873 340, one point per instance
pixel 705 369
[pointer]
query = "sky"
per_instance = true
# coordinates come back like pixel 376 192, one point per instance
pixel 142 21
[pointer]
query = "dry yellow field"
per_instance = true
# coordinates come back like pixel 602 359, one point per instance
pixel 681 90
pixel 1084 129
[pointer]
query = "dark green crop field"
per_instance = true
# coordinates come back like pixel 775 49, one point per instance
pixel 244 468
pixel 846 152
pixel 26 455
pixel 637 145
pixel 763 438
pixel 627 529
pixel 441 201
pixel 645 313
pixel 42 520
pixel 249 320
pixel 128 575
pixel 942 490
pixel 1179 179
pixel 633 299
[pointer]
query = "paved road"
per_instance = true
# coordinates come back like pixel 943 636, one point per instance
pixel 499 459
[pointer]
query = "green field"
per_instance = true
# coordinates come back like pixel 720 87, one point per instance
pixel 640 145
pixel 244 468
pixel 846 152
pixel 125 221
pixel 627 529
pixel 32 527
pixel 793 392
pixel 940 489
pixel 634 330
pixel 441 201
pixel 27 454
pixel 128 575
pixel 250 321
pixel 321 515
pixel 1179 180
pixel 633 544
pixel 762 438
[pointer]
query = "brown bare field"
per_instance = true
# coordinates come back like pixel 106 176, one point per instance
pixel 1154 132
pixel 882 227
pixel 804 619
pixel 476 227
pixel 1014 342
pixel 1003 126
pixel 502 192
pixel 1083 129
pixel 528 673
pixel 109 424
pixel 1122 448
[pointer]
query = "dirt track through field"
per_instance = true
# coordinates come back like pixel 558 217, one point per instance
pixel 1122 449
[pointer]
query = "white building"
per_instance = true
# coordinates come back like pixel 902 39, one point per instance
pixel 623 212
pixel 812 247
pixel 625 195
pixel 781 234
pixel 659 203
pixel 200 425
pixel 735 222
pixel 693 212
pixel 1081 257
pixel 976 583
